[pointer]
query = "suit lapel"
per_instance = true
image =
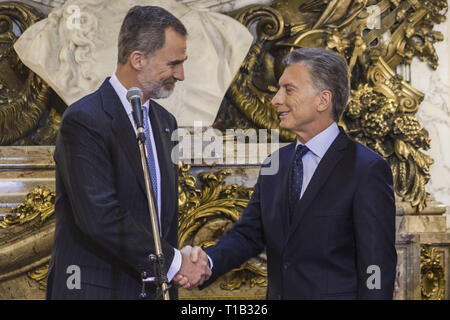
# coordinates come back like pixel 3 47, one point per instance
pixel 123 130
pixel 319 178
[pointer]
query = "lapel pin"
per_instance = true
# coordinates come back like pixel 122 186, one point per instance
pixel 167 130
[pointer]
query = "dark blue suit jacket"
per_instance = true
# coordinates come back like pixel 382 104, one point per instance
pixel 344 223
pixel 102 216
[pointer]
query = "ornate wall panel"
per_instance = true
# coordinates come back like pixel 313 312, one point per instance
pixel 432 280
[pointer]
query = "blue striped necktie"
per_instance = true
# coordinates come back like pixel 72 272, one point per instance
pixel 150 157
pixel 296 177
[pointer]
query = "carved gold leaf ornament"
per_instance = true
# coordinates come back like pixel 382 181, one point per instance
pixel 40 275
pixel 207 213
pixel 38 207
pixel 381 124
pixel 432 280
pixel 212 201
pixel 375 37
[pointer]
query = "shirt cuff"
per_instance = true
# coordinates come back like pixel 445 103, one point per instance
pixel 210 263
pixel 175 266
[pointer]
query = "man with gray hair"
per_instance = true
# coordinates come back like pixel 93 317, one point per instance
pixel 103 234
pixel 327 218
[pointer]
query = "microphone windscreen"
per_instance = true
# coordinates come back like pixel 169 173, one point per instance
pixel 134 93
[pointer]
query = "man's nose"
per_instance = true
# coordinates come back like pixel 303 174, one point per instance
pixel 179 73
pixel 277 100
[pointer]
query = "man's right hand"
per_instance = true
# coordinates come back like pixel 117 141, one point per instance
pixel 194 268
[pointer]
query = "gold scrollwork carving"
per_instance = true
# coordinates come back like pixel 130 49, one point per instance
pixel 24 96
pixel 432 280
pixel 40 276
pixel 375 37
pixel 207 213
pixel 270 24
pixel 38 207
pixel 247 92
pixel 381 124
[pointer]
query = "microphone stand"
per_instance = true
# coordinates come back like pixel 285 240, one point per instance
pixel 161 281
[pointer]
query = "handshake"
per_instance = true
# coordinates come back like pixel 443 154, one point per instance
pixel 194 269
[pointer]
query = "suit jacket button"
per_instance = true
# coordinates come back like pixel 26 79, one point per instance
pixel 286 265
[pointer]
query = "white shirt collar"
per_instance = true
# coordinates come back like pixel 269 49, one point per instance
pixel 122 93
pixel 320 143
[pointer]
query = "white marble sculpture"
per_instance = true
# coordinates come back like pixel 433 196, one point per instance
pixel 222 5
pixel 210 5
pixel 75 48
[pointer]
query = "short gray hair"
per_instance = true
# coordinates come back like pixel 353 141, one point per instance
pixel 328 71
pixel 144 28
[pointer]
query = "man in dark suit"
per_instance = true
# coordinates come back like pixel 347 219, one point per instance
pixel 103 234
pixel 327 217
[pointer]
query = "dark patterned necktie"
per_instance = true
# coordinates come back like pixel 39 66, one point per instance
pixel 296 177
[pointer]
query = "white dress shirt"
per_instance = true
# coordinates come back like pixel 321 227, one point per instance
pixel 122 93
pixel 317 146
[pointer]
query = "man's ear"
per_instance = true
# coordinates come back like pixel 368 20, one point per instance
pixel 137 60
pixel 325 100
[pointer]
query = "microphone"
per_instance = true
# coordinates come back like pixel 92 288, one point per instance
pixel 135 96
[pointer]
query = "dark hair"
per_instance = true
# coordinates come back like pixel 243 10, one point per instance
pixel 328 71
pixel 144 28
